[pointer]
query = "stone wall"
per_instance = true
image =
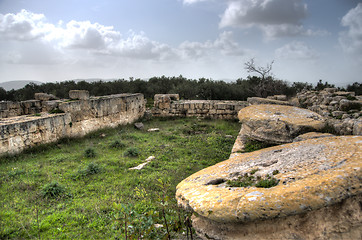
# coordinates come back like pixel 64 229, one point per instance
pixel 168 105
pixel 12 109
pixel 343 110
pixel 79 118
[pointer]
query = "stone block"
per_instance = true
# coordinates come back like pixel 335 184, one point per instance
pixel 44 96
pixel 79 94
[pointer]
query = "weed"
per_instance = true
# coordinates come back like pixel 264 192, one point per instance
pixel 267 183
pixel 117 144
pixel 351 98
pixel 275 172
pixel 15 172
pixel 89 153
pixel 56 110
pixel 252 145
pixel 132 152
pixel 90 169
pixel 249 180
pixel 54 190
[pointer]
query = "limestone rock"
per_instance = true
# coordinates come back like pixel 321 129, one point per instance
pixel 142 165
pixel 258 100
pixel 278 124
pixel 318 178
pixel 139 125
pixel 311 135
pixel 44 96
pixel 79 94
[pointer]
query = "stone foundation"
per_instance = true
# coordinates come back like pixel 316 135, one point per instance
pixel 165 106
pixel 79 118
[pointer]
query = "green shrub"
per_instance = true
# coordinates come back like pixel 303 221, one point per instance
pixel 267 183
pixel 351 98
pixel 132 152
pixel 117 144
pixel 90 153
pixel 56 110
pixel 90 169
pixel 249 180
pixel 54 190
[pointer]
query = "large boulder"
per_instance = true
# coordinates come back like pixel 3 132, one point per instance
pixel 277 124
pixel 317 195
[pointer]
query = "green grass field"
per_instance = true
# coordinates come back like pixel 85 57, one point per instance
pixel 83 188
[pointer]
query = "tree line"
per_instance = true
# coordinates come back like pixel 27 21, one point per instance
pixel 202 88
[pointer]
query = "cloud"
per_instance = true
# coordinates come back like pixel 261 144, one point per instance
pixel 23 26
pixel 297 51
pixel 223 44
pixel 87 35
pixel 78 41
pixel 276 18
pixel 351 40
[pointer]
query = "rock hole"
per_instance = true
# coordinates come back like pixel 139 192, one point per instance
pixel 216 181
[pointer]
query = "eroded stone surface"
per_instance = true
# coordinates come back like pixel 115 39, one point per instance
pixel 338 221
pixel 278 124
pixel 258 100
pixel 313 174
pixel 311 135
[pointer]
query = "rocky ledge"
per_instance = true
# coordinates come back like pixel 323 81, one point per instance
pixel 316 192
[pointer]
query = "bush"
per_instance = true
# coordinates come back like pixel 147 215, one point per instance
pixel 132 152
pixel 90 153
pixel 55 191
pixel 91 169
pixel 117 144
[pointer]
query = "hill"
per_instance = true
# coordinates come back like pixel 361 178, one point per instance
pixel 17 84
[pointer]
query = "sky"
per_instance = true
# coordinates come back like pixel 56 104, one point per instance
pixel 308 40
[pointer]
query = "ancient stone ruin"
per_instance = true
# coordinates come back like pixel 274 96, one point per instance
pixel 51 120
pixel 307 188
pixel 169 105
pixel 317 193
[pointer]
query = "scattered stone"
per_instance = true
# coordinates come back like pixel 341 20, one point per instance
pixel 139 125
pixel 153 130
pixel 142 165
pixel 346 105
pixel 317 197
pixel 276 124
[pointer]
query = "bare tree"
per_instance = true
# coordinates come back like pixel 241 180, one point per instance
pixel 266 81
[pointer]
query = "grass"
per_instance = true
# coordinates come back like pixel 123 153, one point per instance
pixel 60 191
pixel 248 180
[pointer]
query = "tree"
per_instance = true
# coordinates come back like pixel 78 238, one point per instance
pixel 3 94
pixel 262 87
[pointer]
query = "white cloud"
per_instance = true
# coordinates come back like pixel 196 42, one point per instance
pixel 78 41
pixel 296 50
pixel 276 18
pixel 23 26
pixel 351 40
pixel 224 44
pixel 87 35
